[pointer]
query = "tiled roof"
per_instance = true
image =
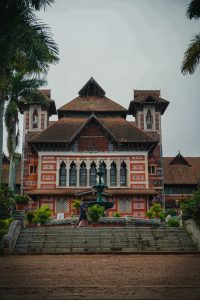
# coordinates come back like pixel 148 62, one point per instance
pixel 91 99
pixel 125 132
pixel 60 131
pixel 66 129
pixel 181 173
pixel 92 104
pixel 147 96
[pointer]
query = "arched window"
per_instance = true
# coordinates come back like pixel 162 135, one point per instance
pixel 149 119
pixel 123 174
pixel 72 174
pixel 62 174
pixel 113 174
pixel 83 174
pixel 93 172
pixel 104 171
pixel 35 119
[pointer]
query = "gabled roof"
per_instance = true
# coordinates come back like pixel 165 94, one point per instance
pixel 91 99
pixel 142 97
pixel 65 130
pixel 181 170
pixel 179 160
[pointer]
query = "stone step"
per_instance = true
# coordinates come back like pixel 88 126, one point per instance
pixel 119 239
pixel 98 250
pixel 103 240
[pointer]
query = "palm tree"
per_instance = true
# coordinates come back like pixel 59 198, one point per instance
pixel 25 45
pixel 21 86
pixel 191 57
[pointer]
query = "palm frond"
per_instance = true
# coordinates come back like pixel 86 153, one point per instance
pixel 39 4
pixel 35 47
pixel 193 11
pixel 191 56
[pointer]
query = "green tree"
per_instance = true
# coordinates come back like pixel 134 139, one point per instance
pixel 22 86
pixel 25 45
pixel 191 57
pixel 6 202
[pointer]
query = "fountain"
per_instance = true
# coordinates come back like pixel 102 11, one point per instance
pixel 99 187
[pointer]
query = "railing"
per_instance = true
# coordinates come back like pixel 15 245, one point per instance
pixel 9 239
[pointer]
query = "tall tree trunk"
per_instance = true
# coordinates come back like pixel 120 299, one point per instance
pixel 2 105
pixel 11 182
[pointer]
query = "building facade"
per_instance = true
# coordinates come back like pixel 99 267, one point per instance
pixel 60 158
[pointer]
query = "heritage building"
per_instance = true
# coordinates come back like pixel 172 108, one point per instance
pixel 60 158
pixel 181 178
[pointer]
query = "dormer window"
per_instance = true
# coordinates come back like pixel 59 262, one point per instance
pixel 35 119
pixel 149 120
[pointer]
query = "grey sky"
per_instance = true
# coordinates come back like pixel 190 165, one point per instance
pixel 126 45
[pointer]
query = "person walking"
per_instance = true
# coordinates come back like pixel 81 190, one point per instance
pixel 83 220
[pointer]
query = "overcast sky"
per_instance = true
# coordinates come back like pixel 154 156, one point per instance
pixel 127 45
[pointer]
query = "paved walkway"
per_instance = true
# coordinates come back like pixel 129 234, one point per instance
pixel 100 277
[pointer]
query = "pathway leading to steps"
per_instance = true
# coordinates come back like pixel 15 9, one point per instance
pixel 100 277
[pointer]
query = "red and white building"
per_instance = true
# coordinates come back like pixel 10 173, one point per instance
pixel 60 158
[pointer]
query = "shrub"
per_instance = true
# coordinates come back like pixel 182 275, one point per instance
pixel 30 216
pixel 116 214
pixel 155 211
pixel 95 212
pixel 191 207
pixel 42 215
pixel 4 226
pixel 173 222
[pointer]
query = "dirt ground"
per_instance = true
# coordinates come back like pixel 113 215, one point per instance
pixel 100 277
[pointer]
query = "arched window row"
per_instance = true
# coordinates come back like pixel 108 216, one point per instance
pixel 87 176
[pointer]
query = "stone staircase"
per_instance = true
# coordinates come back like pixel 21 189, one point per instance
pixel 67 240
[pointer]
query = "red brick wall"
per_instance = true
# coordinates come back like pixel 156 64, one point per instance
pixel 93 138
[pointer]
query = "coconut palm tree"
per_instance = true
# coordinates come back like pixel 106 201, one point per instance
pixel 191 57
pixel 21 86
pixel 25 45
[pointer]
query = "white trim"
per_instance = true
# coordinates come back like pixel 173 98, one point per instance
pixel 98 155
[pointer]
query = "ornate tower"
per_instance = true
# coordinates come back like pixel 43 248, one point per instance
pixel 36 119
pixel 147 107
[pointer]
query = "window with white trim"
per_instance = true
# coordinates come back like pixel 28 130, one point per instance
pixel 152 169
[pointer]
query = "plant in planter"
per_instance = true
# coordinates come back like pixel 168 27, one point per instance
pixel 95 212
pixel 155 211
pixel 21 201
pixel 42 215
